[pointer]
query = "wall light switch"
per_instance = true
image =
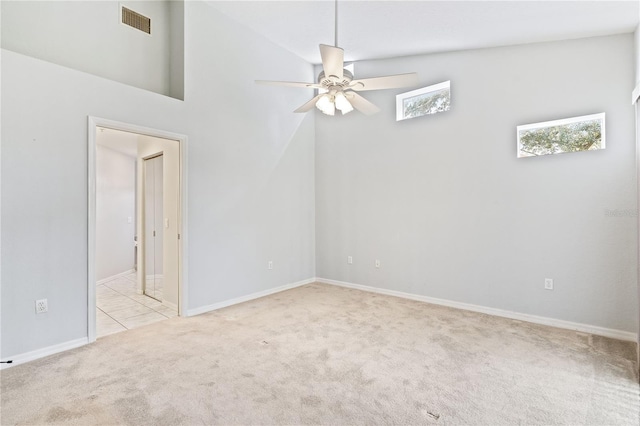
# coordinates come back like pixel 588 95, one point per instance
pixel 350 260
pixel 548 284
pixel 377 263
pixel 270 264
pixel 129 219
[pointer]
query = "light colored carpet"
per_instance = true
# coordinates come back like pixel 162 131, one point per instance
pixel 320 354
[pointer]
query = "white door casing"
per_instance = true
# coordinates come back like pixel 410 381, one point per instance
pixel 181 220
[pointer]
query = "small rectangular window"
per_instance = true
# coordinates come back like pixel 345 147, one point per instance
pixel 585 133
pixel 427 100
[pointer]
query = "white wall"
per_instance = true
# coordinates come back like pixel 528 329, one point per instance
pixel 88 36
pixel 442 201
pixel 451 212
pixel 115 204
pixel 250 175
pixel 637 54
pixel 176 49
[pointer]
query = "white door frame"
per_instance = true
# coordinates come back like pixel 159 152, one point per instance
pixel 635 99
pixel 93 124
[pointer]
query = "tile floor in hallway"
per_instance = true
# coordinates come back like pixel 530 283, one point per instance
pixel 120 307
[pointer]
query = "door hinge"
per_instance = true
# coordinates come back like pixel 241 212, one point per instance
pixel 178 236
pixel 154 233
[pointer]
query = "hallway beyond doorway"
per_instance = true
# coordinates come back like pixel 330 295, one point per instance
pixel 120 307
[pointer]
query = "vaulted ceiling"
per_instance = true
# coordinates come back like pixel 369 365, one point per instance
pixel 382 29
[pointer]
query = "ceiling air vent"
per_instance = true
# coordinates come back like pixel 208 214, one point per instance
pixel 135 20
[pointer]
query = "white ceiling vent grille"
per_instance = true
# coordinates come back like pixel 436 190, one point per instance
pixel 135 20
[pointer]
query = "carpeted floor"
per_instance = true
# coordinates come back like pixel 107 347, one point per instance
pixel 320 354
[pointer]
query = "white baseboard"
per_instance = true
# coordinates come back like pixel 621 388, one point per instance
pixel 170 305
pixel 113 277
pixel 41 353
pixel 241 299
pixel 155 277
pixel 585 328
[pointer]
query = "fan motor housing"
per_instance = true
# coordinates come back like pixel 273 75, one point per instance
pixel 329 81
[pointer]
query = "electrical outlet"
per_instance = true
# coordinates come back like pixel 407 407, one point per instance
pixel 41 306
pixel 270 264
pixel 350 260
pixel 377 263
pixel 548 284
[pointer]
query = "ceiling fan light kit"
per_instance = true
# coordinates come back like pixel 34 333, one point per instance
pixel 326 105
pixel 342 103
pixel 336 86
pixel 329 102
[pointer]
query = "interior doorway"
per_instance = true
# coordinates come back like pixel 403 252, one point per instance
pixel 140 281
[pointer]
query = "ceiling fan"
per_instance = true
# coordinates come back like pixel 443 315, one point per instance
pixel 336 86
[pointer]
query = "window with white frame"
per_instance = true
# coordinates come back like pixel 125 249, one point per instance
pixel 585 133
pixel 427 100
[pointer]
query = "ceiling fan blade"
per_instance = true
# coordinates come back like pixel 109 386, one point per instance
pixel 386 82
pixel 361 104
pixel 309 105
pixel 332 60
pixel 289 84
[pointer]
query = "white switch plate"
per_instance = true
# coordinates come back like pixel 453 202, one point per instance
pixel 350 260
pixel 270 264
pixel 166 223
pixel 129 219
pixel 377 263
pixel 548 284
